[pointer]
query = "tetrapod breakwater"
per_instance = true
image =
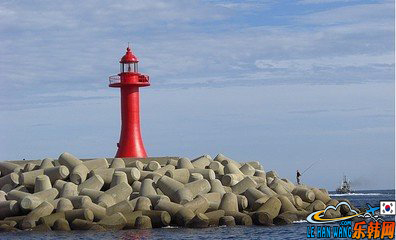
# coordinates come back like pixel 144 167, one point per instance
pixel 124 193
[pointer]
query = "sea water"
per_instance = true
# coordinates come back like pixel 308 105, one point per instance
pixel 298 230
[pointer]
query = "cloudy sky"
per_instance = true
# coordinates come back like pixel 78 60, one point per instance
pixel 286 83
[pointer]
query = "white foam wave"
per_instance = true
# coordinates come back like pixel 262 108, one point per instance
pixel 300 221
pixel 354 194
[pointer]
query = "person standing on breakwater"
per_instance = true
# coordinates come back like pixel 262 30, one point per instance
pixel 298 177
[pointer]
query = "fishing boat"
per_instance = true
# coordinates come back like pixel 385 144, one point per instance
pixel 345 186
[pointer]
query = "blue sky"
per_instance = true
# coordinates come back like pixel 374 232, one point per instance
pixel 285 83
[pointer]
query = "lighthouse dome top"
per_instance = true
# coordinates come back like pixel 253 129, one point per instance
pixel 129 57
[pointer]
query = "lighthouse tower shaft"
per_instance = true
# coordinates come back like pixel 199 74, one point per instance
pixel 129 80
pixel 131 143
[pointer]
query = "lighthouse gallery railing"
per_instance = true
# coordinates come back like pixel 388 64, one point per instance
pixel 117 79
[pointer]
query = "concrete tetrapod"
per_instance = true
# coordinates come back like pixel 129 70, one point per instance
pixel 55 173
pixel 169 186
pixel 214 217
pixel 316 206
pixel 240 218
pixel 158 218
pixel 47 163
pixel 97 163
pixel 61 225
pixel 105 174
pixel 8 208
pixel 136 186
pixel 224 160
pixel 69 160
pixel 207 174
pixel 231 168
pixel 231 179
pixel 84 214
pixel 50 219
pixel 252 194
pixel 117 163
pixel 195 177
pixel 81 224
pixel 183 216
pixel 201 162
pixel 120 192
pixel 95 182
pixel 63 205
pixel 30 202
pixel 272 206
pixel 3 196
pixel 143 204
pixel 228 221
pixel 137 164
pixel 98 211
pixel 181 175
pixel 69 189
pixel 243 185
pixel 161 171
pixel 217 167
pixel 199 221
pixel 192 189
pixel 79 174
pixel 305 194
pixel 12 179
pixel 44 209
pixel 286 206
pixel 171 207
pixel 147 188
pixel 7 168
pixel 247 169
pixel 143 222
pixel 115 221
pixel 262 218
pixel 285 218
pixel 152 166
pixel 132 173
pixel 125 207
pixel 242 202
pixel 319 195
pixel 131 219
pixel 268 191
pixel 118 177
pixel 58 184
pixel 17 195
pixel 79 201
pixel 42 183
pixel 214 200
pixel 198 205
pixel 184 163
pixel 229 202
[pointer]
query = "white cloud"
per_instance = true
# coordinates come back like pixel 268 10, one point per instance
pixel 351 14
pixel 325 1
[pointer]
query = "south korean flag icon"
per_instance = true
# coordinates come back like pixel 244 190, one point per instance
pixel 387 208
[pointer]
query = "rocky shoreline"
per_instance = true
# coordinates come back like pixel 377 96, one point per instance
pixel 113 194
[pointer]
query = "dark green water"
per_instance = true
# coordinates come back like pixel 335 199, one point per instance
pixel 294 231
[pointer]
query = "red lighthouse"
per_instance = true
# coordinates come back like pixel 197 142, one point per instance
pixel 129 80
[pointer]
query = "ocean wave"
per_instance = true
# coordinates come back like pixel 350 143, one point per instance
pixel 355 194
pixel 300 221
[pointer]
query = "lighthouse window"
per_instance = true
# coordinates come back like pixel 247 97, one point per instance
pixel 129 67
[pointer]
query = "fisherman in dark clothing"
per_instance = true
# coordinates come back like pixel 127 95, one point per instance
pixel 298 177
